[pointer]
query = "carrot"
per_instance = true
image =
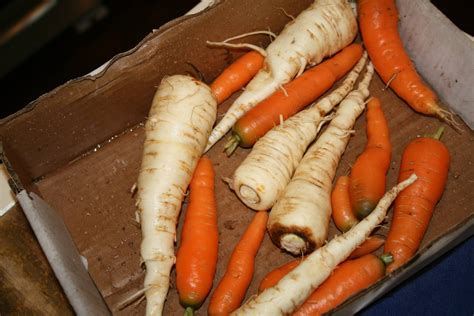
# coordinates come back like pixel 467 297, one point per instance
pixel 299 220
pixel 293 289
pixel 429 159
pixel 293 97
pixel 188 108
pixel 323 29
pixel 231 289
pixel 237 75
pixel 349 278
pixel 196 258
pixel 368 174
pixel 263 175
pixel 378 21
pixel 371 244
pixel 342 214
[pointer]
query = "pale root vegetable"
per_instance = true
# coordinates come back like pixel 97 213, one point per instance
pixel 320 31
pixel 180 120
pixel 299 220
pixel 267 169
pixel 293 289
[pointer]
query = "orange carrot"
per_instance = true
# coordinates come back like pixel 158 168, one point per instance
pixel 293 97
pixel 348 278
pixel 237 75
pixel 275 275
pixel 378 21
pixel 429 159
pixel 371 244
pixel 368 175
pixel 197 254
pixel 342 214
pixel 231 289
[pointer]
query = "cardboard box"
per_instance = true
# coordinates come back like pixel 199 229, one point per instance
pixel 76 152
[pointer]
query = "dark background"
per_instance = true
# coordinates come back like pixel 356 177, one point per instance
pixel 73 54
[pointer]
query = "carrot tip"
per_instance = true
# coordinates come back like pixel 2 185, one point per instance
pixel 386 258
pixel 449 118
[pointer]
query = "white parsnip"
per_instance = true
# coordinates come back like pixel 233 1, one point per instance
pixel 320 31
pixel 180 121
pixel 293 289
pixel 299 220
pixel 260 179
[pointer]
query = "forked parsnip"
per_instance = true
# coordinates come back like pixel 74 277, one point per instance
pixel 299 220
pixel 320 31
pixel 293 289
pixel 180 120
pixel 267 169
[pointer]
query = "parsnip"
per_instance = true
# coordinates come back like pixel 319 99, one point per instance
pixel 320 31
pixel 293 289
pixel 299 220
pixel 267 169
pixel 180 120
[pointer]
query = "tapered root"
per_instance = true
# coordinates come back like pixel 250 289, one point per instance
pixel 449 118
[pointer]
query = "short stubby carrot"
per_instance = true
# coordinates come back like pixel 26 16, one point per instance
pixel 378 22
pixel 342 214
pixel 236 75
pixel 429 158
pixel 369 172
pixel 349 278
pixel 197 254
pixel 231 289
pixel 292 97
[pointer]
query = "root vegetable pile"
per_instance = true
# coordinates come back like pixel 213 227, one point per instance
pixel 299 220
pixel 323 29
pixel 180 120
pixel 263 175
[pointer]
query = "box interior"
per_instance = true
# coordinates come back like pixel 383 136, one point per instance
pixel 80 148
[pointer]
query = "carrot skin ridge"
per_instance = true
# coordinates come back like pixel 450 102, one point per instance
pixel 295 95
pixel 236 75
pixel 413 208
pixel 231 289
pixel 342 214
pixel 368 175
pixel 196 258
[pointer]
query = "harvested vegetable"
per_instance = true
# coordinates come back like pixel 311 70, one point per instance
pixel 378 21
pixel 180 120
pixel 293 289
pixel 262 176
pixel 342 214
pixel 196 259
pixel 292 98
pixel 349 278
pixel 321 30
pixel 371 244
pixel 299 220
pixel 429 158
pixel 231 289
pixel 369 172
pixel 237 75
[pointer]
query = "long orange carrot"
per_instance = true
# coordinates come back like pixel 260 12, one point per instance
pixel 231 289
pixel 368 174
pixel 237 75
pixel 197 254
pixel 348 278
pixel 378 21
pixel 429 159
pixel 293 97
pixel 371 244
pixel 342 214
